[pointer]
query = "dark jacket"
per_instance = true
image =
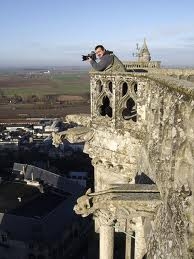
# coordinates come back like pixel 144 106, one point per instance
pixel 104 62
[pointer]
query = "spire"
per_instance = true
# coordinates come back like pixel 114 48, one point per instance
pixel 145 45
pixel 144 54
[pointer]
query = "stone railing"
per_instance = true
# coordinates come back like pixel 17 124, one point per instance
pixel 178 73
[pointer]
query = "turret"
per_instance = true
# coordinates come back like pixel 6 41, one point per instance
pixel 144 54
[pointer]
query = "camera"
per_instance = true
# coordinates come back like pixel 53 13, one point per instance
pixel 92 55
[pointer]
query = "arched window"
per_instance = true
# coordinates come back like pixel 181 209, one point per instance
pixel 110 86
pixel 130 113
pixel 105 108
pixel 135 88
pixel 124 88
pixel 99 86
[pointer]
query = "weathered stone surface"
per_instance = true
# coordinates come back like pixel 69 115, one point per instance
pixel 144 123
pixel 73 135
pixel 80 119
pixel 167 157
pixel 120 201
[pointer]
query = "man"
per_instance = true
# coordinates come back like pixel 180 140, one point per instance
pixel 104 56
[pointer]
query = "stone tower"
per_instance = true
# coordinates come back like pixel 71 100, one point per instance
pixel 144 54
pixel 140 138
pixel 143 59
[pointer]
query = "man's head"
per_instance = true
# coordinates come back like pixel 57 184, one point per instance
pixel 100 51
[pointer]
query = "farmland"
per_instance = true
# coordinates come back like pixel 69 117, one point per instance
pixel 69 83
pixel 54 95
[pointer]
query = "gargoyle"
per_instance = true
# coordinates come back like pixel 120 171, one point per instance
pixel 83 205
pixel 73 135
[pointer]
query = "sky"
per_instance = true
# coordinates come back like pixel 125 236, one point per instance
pixel 58 32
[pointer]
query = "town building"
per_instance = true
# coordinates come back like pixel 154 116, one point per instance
pixel 37 220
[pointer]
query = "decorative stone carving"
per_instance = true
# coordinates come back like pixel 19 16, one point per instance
pixel 79 134
pixel 143 200
pixel 126 108
pixel 105 217
pixel 120 225
pixel 83 206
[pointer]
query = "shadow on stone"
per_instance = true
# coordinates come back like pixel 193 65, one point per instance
pixel 143 179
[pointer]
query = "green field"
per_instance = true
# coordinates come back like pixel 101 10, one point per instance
pixel 69 83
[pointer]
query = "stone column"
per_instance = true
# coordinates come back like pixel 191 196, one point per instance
pixel 106 242
pixel 128 245
pixel 140 245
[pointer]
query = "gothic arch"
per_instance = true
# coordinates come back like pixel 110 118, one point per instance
pixel 127 108
pixel 99 86
pixel 105 107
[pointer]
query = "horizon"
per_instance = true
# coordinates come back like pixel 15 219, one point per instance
pixel 73 67
pixel 78 67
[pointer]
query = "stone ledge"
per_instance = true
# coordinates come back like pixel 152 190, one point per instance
pixel 151 188
pixel 80 119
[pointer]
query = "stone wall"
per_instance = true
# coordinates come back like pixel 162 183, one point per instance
pixel 167 157
pixel 178 73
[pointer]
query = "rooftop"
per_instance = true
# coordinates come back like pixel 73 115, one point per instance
pixel 16 194
pixel 20 199
pixel 40 206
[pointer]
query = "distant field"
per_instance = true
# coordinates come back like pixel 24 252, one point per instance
pixel 17 112
pixel 70 83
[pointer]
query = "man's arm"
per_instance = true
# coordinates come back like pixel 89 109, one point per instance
pixel 105 61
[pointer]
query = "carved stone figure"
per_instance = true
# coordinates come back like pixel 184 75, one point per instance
pixel 83 206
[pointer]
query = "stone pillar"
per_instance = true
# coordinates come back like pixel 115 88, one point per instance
pixel 106 242
pixel 140 245
pixel 128 245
